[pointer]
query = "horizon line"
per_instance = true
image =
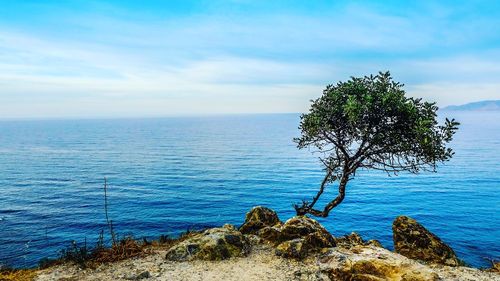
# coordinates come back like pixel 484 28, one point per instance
pixel 123 117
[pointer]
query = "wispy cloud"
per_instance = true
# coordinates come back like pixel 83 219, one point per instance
pixel 113 59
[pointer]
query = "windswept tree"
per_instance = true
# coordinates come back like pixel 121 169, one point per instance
pixel 369 123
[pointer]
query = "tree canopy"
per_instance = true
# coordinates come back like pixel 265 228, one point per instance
pixel 369 123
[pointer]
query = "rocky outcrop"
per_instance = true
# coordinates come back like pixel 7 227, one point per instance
pixel 302 227
pixel 495 267
pixel 212 244
pixel 258 218
pixel 372 263
pixel 295 248
pixel 414 241
pixel 271 234
pixel 300 236
pixel 322 256
pixel 295 238
pixel 338 263
pixel 354 239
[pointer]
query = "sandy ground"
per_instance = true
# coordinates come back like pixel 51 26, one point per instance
pixel 261 264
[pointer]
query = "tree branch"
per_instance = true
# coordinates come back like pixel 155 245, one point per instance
pixel 337 144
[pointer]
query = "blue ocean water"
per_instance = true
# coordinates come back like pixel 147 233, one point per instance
pixel 168 175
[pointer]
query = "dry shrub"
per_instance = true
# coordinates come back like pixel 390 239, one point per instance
pixel 124 249
pixel 84 256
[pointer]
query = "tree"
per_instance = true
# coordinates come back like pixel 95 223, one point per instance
pixel 369 123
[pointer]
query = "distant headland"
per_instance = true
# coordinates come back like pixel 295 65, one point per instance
pixel 486 105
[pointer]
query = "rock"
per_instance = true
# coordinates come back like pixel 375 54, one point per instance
pixel 309 274
pixel 354 239
pixel 300 236
pixel 143 275
pixel 372 264
pixel 212 244
pixel 295 249
pixel 299 248
pixel 495 267
pixel 374 242
pixel 253 239
pixel 140 276
pixel 302 226
pixel 270 234
pixel 258 218
pixel 412 240
pixel 230 227
pixel 317 241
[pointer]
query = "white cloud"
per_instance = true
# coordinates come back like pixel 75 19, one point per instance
pixel 223 63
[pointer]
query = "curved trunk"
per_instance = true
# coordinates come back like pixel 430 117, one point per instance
pixel 307 208
pixel 321 189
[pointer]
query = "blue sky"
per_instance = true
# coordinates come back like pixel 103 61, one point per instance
pixel 160 58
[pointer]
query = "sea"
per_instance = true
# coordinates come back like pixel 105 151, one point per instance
pixel 169 175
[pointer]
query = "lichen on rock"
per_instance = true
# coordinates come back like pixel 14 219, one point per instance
pixel 258 218
pixel 271 234
pixel 414 241
pixel 296 248
pixel 212 244
pixel 300 236
pixel 302 226
pixel 322 257
pixel 354 239
pixel 372 264
pixel 295 238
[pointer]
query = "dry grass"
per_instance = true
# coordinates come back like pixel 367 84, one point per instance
pixel 86 257
pixel 18 274
pixel 125 248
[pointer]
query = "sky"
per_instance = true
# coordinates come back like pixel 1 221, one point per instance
pixel 85 59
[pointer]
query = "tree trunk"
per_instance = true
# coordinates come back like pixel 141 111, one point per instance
pixel 307 209
pixel 321 189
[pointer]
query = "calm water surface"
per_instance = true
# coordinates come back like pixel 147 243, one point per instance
pixel 168 175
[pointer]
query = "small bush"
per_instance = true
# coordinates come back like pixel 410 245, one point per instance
pixel 125 248
pixel 85 256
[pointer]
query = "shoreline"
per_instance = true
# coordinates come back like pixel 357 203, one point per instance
pixel 265 248
pixel 260 264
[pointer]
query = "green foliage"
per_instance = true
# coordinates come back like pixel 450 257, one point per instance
pixel 369 123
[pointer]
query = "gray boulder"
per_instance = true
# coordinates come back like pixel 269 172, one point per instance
pixel 212 244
